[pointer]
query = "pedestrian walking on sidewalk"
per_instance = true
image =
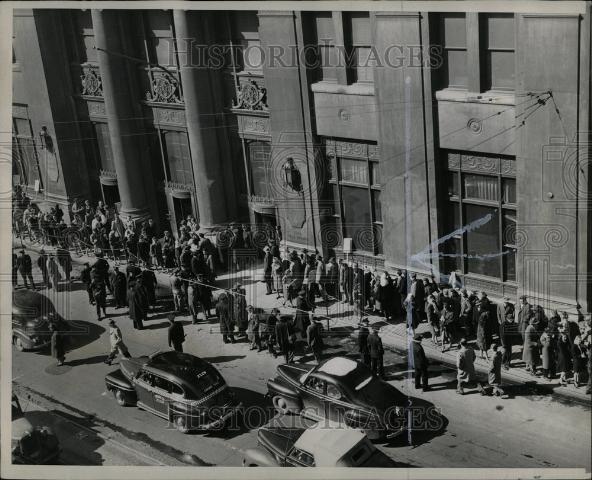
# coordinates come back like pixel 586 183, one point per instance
pixel 465 364
pixel 314 337
pixel 376 352
pixel 58 344
pixel 117 345
pixel 494 377
pixel 253 328
pixel 25 268
pixel 176 333
pixel 42 264
pixel 420 363
pixel 285 337
pixel 267 270
pixel 119 287
pixel 85 277
pixel 225 318
pixel 363 342
pixel 53 272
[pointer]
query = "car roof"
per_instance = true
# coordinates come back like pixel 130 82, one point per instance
pixel 328 445
pixel 30 303
pixel 181 366
pixel 344 371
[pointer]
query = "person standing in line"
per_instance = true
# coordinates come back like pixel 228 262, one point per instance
pixel 494 376
pixel 150 283
pixel 523 315
pixel 376 352
pixel 421 363
pixel 86 278
pixel 466 313
pixel 192 301
pixel 483 335
pixel 465 364
pixel 530 349
pixel 204 295
pixel 137 303
pixel 117 345
pixel 272 320
pixel 176 333
pixel 508 330
pixel 572 328
pixel 225 318
pixel 314 339
pixel 578 354
pixel 119 288
pixel 58 344
pixel 433 315
pixel 563 358
pixel 53 272
pixel 276 273
pixel 42 264
pixel 99 292
pixel 25 268
pixel 548 347
pixel 267 270
pixel 447 322
pixel 363 342
pixel 253 328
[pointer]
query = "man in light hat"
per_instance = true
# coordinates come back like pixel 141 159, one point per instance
pixel 117 345
pixel 363 341
pixel 420 363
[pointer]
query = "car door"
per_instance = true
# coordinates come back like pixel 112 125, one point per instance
pixel 161 395
pixel 336 402
pixel 314 397
pixel 144 383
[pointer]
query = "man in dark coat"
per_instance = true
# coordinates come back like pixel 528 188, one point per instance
pixel 376 352
pixel 99 291
pixel 225 318
pixel 363 342
pixel 85 277
pixel 285 338
pixel 523 315
pixel 508 330
pixel 138 303
pixel 314 339
pixel 25 268
pixel 119 286
pixel 176 333
pixel 267 261
pixel 42 264
pixel 150 283
pixel 204 295
pixel 302 317
pixel 65 261
pixel 421 363
pixel 58 347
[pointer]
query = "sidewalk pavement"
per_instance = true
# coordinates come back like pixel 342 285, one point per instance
pixel 340 319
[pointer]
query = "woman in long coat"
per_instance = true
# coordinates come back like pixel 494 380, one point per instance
pixel 138 303
pixel 563 358
pixel 58 350
pixel 548 344
pixel 483 332
pixel 530 348
pixel 225 318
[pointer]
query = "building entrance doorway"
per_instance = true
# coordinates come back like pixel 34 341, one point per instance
pixel 183 208
pixel 110 194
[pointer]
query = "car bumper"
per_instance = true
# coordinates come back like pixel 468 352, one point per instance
pixel 32 346
pixel 220 422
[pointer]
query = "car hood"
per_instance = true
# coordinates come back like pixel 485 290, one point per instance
pixel 131 366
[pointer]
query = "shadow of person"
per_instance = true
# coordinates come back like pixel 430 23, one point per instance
pixel 79 333
pixel 86 361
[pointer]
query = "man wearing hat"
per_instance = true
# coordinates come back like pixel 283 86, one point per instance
pixel 117 345
pixel 176 333
pixel 25 268
pixel 267 261
pixel 253 328
pixel 523 315
pixel 376 352
pixel 363 341
pixel 507 329
pixel 420 363
pixel 42 264
pixel 302 320
pixel 314 338
pixel 494 377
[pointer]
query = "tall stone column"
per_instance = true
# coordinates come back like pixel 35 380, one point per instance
pixel 201 121
pixel 123 127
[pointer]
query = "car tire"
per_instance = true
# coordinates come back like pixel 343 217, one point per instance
pixel 181 424
pixel 283 405
pixel 18 343
pixel 120 398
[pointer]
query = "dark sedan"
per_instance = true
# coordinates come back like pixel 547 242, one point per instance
pixel 291 441
pixel 341 390
pixel 32 313
pixel 182 388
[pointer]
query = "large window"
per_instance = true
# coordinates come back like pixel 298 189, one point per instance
pixel 260 169
pixel 480 217
pixel 103 146
pixel 357 29
pixel 354 189
pixel 24 156
pixel 454 43
pixel 325 38
pixel 499 51
pixel 177 157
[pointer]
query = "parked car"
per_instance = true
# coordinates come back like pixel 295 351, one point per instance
pixel 31 445
pixel 182 388
pixel 32 312
pixel 342 390
pixel 296 442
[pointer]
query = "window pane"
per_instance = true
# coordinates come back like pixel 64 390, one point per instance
pixel 500 30
pixel 509 189
pixel 453 187
pixel 356 217
pixel 500 70
pixel 375 172
pixel 481 187
pixel 376 205
pixel 451 249
pixel 336 210
pixel 104 146
pixel 354 171
pixel 259 160
pixel 330 163
pixel 378 239
pixel 482 243
pixel 456 61
pixel 509 227
pixel 510 263
pixel 178 157
pixel 324 26
pixel 22 127
pixel 455 30
pixel 328 62
pixel 360 28
pixel 363 64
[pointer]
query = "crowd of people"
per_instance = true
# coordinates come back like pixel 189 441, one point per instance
pixel 556 345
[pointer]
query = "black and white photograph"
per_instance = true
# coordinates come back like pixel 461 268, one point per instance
pixel 353 237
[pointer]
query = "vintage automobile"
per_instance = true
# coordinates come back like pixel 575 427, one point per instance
pixel 342 390
pixel 294 441
pixel 31 445
pixel 32 313
pixel 182 388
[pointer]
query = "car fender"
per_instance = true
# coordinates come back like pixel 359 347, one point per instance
pixel 118 380
pixel 259 457
pixel 275 387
